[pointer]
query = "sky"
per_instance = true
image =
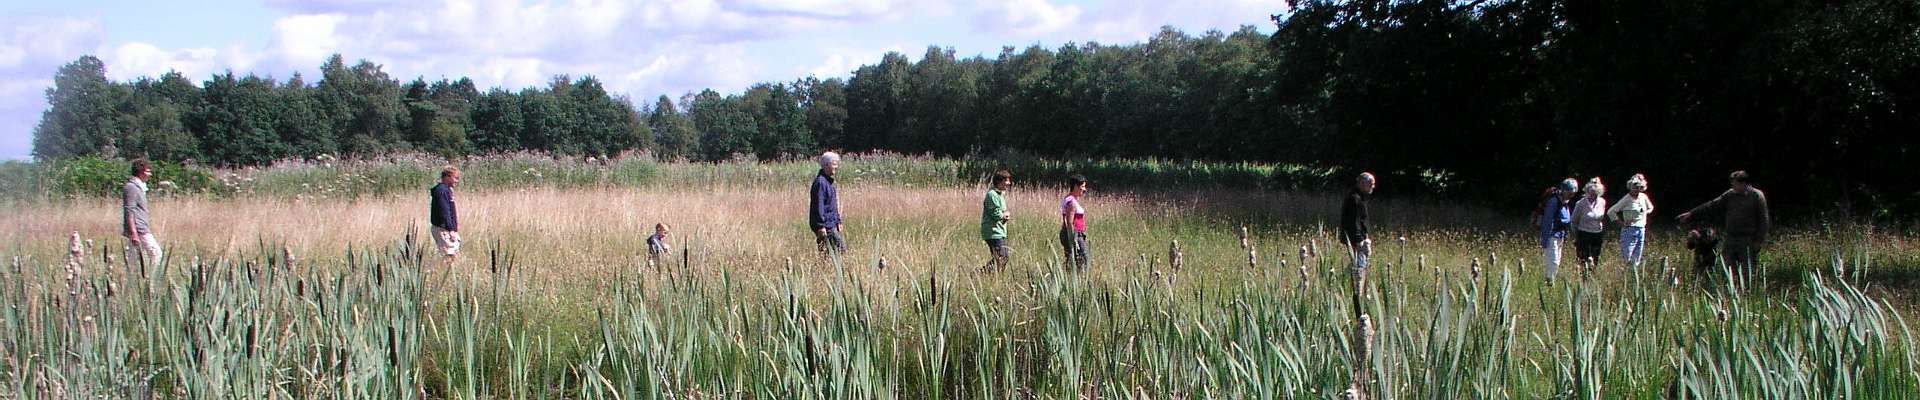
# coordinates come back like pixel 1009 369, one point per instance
pixel 640 48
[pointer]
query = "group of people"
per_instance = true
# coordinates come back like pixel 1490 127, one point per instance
pixel 823 216
pixel 1741 211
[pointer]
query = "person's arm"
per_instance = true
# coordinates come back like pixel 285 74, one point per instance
pixel 1613 213
pixel 1563 218
pixel 1066 215
pixel 1362 222
pixel 816 209
pixel 1708 207
pixel 442 213
pixel 1006 215
pixel 1766 216
pixel 1580 209
pixel 126 211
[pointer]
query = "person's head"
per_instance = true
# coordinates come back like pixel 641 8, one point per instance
pixel 662 229
pixel 829 163
pixel 1077 185
pixel 1739 181
pixel 450 176
pixel 1595 189
pixel 141 169
pixel 1567 188
pixel 1364 183
pixel 1002 180
pixel 1637 184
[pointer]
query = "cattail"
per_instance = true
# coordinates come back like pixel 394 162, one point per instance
pixel 73 264
pixel 1475 270
pixel 1666 265
pixel 1244 242
pixel 1253 257
pixel 1175 258
pixel 883 262
pixel 1305 277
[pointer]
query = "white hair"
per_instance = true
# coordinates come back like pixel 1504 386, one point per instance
pixel 1365 177
pixel 829 158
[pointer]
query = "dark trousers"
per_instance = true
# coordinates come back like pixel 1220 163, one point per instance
pixel 1000 252
pixel 1587 245
pixel 1739 253
pixel 1075 246
pixel 830 242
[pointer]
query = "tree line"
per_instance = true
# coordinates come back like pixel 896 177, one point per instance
pixel 1478 99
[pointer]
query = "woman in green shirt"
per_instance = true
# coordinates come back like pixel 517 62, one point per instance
pixel 993 220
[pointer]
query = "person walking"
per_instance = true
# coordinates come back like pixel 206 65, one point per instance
pixel 1073 223
pixel 1554 221
pixel 1631 213
pixel 134 221
pixel 1590 223
pixel 1745 224
pixel 1353 220
pixel 445 216
pixel 994 217
pixel 657 245
pixel 823 208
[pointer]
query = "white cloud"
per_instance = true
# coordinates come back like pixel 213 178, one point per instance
pixel 823 8
pixel 306 39
pixel 842 61
pixel 135 59
pixel 1025 17
pixel 30 52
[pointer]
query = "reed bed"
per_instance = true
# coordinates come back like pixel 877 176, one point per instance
pixel 289 297
pixel 386 323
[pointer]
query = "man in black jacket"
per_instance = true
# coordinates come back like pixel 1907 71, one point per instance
pixel 444 216
pixel 1353 220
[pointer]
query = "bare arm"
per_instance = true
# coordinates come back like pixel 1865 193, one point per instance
pixel 1766 216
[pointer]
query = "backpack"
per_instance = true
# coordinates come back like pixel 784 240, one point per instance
pixel 1540 204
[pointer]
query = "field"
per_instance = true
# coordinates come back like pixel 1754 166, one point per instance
pixel 308 281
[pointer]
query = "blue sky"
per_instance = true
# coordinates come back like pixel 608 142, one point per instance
pixel 642 48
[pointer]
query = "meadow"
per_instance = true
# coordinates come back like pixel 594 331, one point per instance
pixel 309 280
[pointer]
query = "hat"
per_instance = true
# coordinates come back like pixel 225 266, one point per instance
pixel 1637 182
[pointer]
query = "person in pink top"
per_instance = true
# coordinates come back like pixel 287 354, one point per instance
pixel 1073 223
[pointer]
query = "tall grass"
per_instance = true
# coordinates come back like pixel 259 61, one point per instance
pixel 390 324
pixel 553 299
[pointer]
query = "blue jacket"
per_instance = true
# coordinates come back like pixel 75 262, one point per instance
pixel 823 208
pixel 442 213
pixel 1555 219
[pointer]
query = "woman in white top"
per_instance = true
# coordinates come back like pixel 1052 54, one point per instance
pixel 1631 212
pixel 1590 223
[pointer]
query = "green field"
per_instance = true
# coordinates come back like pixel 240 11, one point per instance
pixel 308 280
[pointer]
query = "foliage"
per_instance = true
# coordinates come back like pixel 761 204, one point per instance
pixel 386 324
pixel 94 176
pixel 1475 99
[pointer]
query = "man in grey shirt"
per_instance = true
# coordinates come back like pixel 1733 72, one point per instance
pixel 133 222
pixel 1744 219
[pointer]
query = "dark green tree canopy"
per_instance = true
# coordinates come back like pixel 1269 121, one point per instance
pixel 1486 100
